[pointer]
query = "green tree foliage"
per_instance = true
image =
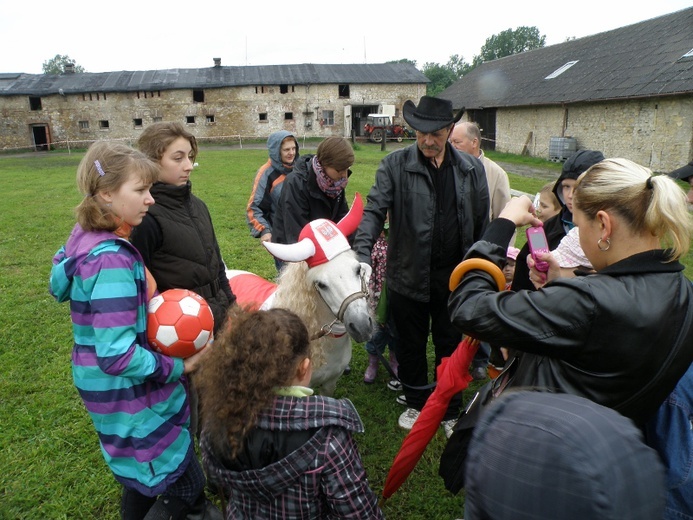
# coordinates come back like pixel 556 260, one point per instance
pixel 509 42
pixel 403 60
pixel 442 76
pixel 56 65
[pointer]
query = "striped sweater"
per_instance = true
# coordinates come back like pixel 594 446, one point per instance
pixel 137 398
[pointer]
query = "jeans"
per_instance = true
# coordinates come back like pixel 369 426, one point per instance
pixel 670 432
pixel 382 337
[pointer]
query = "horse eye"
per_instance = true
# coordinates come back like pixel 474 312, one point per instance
pixel 321 285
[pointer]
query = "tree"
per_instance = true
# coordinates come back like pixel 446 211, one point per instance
pixel 403 60
pixel 509 42
pixel 57 65
pixel 442 76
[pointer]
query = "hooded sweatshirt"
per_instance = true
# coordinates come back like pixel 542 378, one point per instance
pixel 267 186
pixel 136 397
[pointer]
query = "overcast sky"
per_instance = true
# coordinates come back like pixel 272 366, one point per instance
pixel 153 34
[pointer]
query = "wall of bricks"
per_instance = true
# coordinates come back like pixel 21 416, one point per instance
pixel 657 133
pixel 223 112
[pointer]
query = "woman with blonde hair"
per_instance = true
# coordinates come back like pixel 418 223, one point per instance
pixel 607 335
pixel 623 336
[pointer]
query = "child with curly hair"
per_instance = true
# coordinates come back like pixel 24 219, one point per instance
pixel 275 450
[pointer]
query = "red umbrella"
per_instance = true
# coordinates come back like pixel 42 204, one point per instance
pixel 452 377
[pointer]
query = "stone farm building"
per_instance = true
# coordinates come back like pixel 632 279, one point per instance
pixel 627 92
pixel 219 102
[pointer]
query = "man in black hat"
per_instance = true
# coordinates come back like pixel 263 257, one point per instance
pixel 438 205
pixel 685 173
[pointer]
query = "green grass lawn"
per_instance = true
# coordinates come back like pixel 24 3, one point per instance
pixel 50 463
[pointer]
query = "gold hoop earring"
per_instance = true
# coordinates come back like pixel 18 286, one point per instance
pixel 608 244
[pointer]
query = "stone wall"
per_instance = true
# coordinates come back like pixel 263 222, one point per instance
pixel 248 112
pixel 657 133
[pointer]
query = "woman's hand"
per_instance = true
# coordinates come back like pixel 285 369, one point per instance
pixel 520 210
pixel 540 278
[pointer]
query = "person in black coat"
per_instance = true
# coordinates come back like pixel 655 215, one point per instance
pixel 314 190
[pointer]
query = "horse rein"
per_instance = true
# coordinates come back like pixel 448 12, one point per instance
pixel 327 328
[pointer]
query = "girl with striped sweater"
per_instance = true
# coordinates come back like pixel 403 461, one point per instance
pixel 136 397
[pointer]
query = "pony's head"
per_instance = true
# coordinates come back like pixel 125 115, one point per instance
pixel 334 275
pixel 339 283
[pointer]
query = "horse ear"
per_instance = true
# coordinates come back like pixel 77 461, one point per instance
pixel 291 252
pixel 351 220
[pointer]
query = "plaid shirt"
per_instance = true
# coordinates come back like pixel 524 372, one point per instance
pixel 324 478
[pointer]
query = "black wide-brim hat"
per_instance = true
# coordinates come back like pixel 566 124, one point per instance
pixel 684 172
pixel 431 115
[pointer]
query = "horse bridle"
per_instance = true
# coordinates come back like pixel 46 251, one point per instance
pixel 327 328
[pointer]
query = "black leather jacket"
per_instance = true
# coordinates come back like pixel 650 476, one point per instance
pixel 601 336
pixel 404 187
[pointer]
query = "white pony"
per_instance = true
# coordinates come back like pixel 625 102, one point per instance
pixel 325 285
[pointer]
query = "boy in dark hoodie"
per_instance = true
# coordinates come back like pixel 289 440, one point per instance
pixel 557 226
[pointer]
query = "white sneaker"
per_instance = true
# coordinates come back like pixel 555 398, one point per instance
pixel 394 385
pixel 408 418
pixel 401 399
pixel 448 426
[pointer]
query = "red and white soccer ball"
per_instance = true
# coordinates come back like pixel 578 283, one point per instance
pixel 179 323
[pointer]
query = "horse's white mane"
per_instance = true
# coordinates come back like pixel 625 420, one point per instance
pixel 296 293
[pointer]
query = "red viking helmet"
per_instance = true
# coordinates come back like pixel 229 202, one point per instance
pixel 321 239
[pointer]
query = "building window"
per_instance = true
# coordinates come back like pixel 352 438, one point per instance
pixel 210 119
pixel 343 91
pixel 288 116
pixel 263 117
pixel 35 103
pixel 260 90
pixel 190 120
pixel 103 124
pixel 560 70
pixel 198 96
pixel 283 89
pixel 327 118
pixel 137 122
pixel 157 119
pixel 83 125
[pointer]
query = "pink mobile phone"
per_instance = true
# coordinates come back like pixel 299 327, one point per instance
pixel 536 239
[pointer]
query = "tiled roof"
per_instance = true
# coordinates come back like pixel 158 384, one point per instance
pixel 640 60
pixel 212 77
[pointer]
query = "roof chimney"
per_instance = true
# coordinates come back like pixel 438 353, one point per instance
pixel 70 68
pixel 217 62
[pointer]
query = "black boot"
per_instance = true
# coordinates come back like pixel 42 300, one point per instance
pixel 134 505
pixel 168 508
pixel 204 510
